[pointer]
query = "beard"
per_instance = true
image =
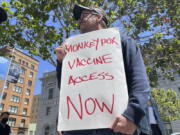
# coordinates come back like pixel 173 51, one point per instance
pixel 87 25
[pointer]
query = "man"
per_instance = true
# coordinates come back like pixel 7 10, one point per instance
pixel 3 15
pixel 4 128
pixel 94 18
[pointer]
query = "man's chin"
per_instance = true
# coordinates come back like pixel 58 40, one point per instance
pixel 84 29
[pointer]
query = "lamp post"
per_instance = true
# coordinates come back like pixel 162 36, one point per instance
pixel 6 77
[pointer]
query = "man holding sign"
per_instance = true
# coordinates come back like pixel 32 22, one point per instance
pixel 104 87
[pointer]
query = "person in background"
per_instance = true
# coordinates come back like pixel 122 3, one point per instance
pixel 4 128
pixel 3 15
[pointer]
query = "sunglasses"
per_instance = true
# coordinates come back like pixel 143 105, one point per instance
pixel 85 14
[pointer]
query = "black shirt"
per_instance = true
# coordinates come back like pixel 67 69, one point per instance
pixel 4 129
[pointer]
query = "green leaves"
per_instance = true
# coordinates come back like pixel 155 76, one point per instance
pixel 119 3
pixel 44 24
pixel 4 4
pixel 168 104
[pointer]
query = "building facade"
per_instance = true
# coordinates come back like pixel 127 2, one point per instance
pixel 34 109
pixel 32 129
pixel 48 105
pixel 17 97
pixel 33 116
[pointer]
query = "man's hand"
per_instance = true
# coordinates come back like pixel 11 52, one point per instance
pixel 123 125
pixel 60 52
pixel 58 132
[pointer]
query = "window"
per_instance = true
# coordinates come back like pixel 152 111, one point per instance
pixel 32 66
pixel 47 131
pixel 29 82
pixel 23 62
pixel 169 131
pixel 4 95
pixel 17 89
pixel 22 71
pixel 13 109
pixel 12 121
pixel 22 124
pixel 26 63
pixel 28 92
pixel 21 80
pixel 30 132
pixel 24 111
pixel 26 101
pixel 50 94
pixel 15 99
pixel 6 86
pixel 48 110
pixel 50 84
pixel 1 107
pixel 31 74
pixel 20 61
pixel 13 57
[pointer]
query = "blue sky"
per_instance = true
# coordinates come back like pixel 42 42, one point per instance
pixel 44 66
pixel 4 63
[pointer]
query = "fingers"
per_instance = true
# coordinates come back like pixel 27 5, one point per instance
pixel 117 125
pixel 60 52
pixel 115 122
pixel 123 125
pixel 58 133
pixel 118 128
pixel 60 49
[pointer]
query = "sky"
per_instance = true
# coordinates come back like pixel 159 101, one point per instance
pixel 4 63
pixel 44 66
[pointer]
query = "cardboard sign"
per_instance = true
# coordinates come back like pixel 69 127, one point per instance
pixel 93 84
pixel 13 70
pixel 14 73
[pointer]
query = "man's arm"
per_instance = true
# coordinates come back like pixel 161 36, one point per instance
pixel 60 52
pixel 138 88
pixel 58 72
pixel 137 81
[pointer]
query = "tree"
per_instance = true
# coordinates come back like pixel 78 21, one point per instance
pixel 168 104
pixel 41 25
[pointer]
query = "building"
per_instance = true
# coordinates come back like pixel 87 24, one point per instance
pixel 33 116
pixel 34 109
pixel 32 129
pixel 48 105
pixel 17 97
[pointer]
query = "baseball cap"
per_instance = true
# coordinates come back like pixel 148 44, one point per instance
pixel 79 8
pixel 3 15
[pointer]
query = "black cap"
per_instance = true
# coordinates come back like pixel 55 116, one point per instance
pixel 3 15
pixel 79 8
